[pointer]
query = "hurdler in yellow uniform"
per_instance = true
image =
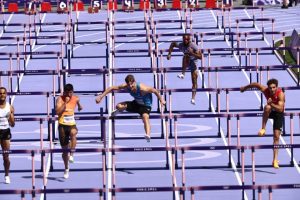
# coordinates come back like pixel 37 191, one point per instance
pixel 65 107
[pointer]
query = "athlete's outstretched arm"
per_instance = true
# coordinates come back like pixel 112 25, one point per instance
pixel 109 90
pixel 172 45
pixel 147 89
pixel 253 85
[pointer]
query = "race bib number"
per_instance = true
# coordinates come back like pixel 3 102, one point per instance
pixel 3 120
pixel 69 119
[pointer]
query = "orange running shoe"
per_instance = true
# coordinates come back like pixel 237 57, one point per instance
pixel 275 164
pixel 262 132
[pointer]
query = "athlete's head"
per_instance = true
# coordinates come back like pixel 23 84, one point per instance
pixel 3 94
pixel 186 38
pixel 272 85
pixel 130 81
pixel 68 90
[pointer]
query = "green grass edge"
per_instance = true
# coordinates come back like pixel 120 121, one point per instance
pixel 288 58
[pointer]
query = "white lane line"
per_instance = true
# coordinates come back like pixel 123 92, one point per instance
pixel 2 31
pixel 222 133
pixel 281 138
pixel 110 105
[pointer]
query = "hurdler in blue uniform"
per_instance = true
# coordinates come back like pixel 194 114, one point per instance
pixel 141 104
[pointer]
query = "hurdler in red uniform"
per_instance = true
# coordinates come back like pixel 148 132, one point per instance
pixel 274 109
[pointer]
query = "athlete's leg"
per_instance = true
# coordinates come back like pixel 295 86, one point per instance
pixel 64 142
pixel 194 75
pixel 267 111
pixel 5 144
pixel 73 141
pixel 146 122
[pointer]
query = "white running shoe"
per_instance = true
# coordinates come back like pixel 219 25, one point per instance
pixel 147 137
pixel 115 112
pixel 66 173
pixel 7 179
pixel 193 101
pixel 181 76
pixel 71 159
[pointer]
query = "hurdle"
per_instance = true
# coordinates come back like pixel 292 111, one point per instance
pixel 182 188
pixel 35 37
pixel 81 43
pixel 190 11
pixel 223 12
pixel 193 188
pixel 33 191
pixel 262 20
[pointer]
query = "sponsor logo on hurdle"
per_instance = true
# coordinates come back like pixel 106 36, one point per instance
pixel 31 71
pixel 143 149
pixel 282 146
pixel 146 189
pixel 5 151
pixel 23 93
pixel 135 69
pixel 133 51
pixel 296 185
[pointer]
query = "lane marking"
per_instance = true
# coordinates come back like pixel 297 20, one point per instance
pixel 281 138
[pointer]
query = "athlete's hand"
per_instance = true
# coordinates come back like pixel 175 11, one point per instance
pixel 190 51
pixel 98 99
pixel 269 101
pixel 242 89
pixel 67 99
pixel 162 101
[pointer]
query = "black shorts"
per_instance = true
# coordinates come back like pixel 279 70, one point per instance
pixel 133 106
pixel 5 134
pixel 278 119
pixel 64 133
